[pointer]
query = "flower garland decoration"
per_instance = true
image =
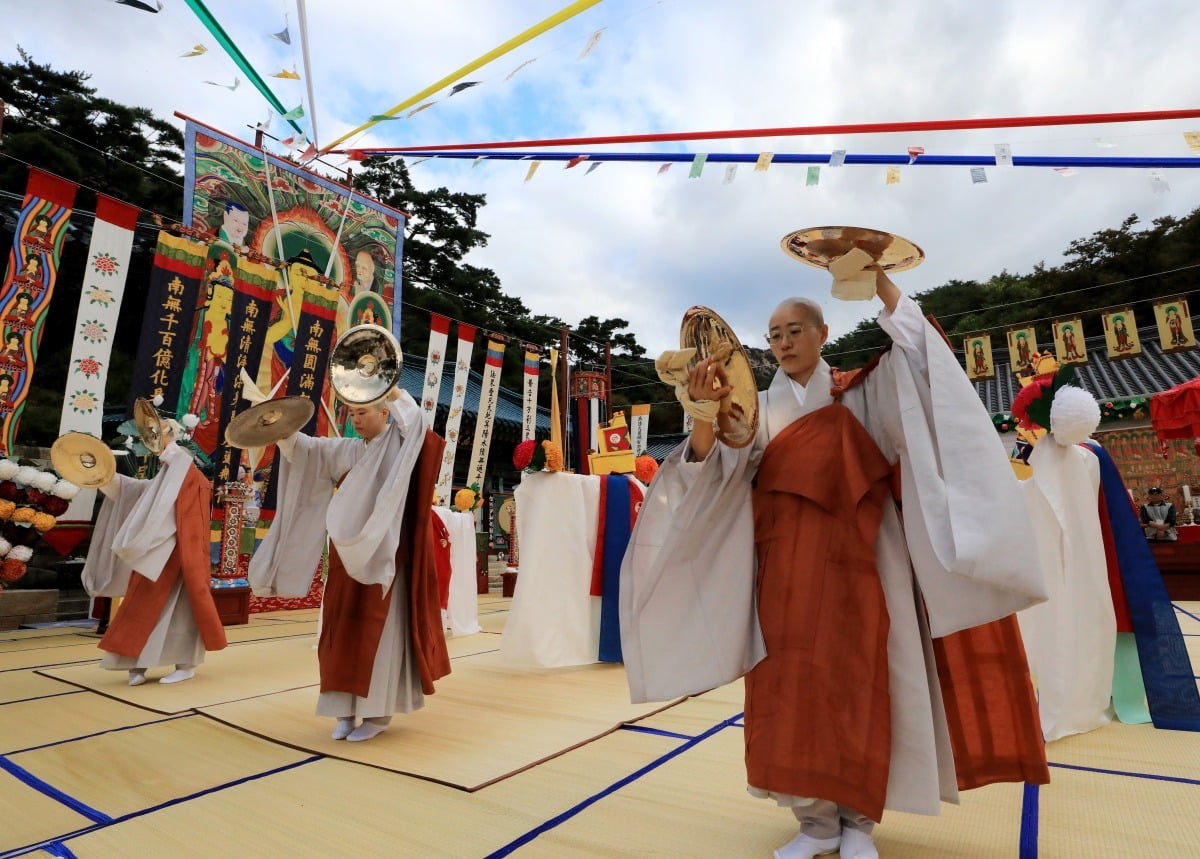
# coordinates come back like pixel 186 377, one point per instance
pixel 31 500
pixel 644 468
pixel 467 499
pixel 531 457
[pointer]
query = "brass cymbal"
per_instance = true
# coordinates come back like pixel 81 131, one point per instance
pixel 710 335
pixel 819 246
pixel 364 365
pixel 268 422
pixel 83 459
pixel 152 430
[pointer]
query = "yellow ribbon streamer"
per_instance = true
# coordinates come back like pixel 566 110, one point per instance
pixel 533 32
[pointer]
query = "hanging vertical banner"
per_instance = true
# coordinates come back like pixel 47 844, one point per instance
pixel 489 391
pixel 315 326
pixel 555 409
pixel 978 351
pixel 1174 325
pixel 175 281
pixel 529 387
pixel 462 373
pixel 1022 343
pixel 38 238
pixel 1069 347
pixel 439 334
pixel 639 428
pixel 1121 334
pixel 253 294
pixel 99 302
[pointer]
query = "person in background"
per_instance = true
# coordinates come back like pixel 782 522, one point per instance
pixel 1158 517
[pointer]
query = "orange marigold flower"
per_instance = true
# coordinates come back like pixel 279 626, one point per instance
pixel 6 509
pixel 43 522
pixel 23 514
pixel 554 456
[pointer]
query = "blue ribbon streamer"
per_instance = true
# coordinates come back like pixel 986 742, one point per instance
pixel 616 537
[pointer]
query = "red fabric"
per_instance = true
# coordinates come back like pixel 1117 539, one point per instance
pixel 1188 533
pixel 1115 585
pixel 115 212
pixel 1175 413
pixel 441 558
pixel 56 189
pixel 597 587
pixel 312 599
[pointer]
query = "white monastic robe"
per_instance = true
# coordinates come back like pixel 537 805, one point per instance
pixel 958 560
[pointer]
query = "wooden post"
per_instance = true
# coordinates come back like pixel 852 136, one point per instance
pixel 564 399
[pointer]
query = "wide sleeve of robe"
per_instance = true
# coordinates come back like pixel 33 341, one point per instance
pixel 283 564
pixel 689 620
pixel 965 520
pixel 105 574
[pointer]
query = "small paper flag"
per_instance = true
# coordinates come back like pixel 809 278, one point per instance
pixel 978 175
pixel 697 165
pixel 1157 183
pixel 1192 139
pixel 1065 171
pixel 477 161
pixel 1105 143
pixel 309 153
pixel 592 167
pixel 283 36
pixel 518 68
pixel 355 155
pixel 383 117
pixel 591 43
pixel 814 176
pixel 664 168
pixel 763 162
pixel 893 176
pixel 421 160
pixel 913 152
pixel 1004 155
pixel 457 88
pixel 533 168
pixel 293 75
pixel 231 87
pixel 577 160
pixel 291 141
pixel 730 173
pixel 837 158
pixel 296 112
pixel 417 110
pixel 196 51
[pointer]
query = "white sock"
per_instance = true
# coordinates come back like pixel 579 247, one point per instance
pixel 806 847
pixel 137 676
pixel 345 726
pixel 183 671
pixel 369 728
pixel 857 844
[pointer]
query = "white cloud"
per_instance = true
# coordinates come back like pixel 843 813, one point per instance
pixel 624 241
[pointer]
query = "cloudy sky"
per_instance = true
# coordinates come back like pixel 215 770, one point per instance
pixel 627 241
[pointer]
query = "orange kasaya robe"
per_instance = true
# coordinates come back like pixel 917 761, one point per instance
pixel 354 613
pixel 818 707
pixel 145 600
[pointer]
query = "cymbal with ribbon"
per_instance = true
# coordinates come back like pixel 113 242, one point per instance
pixel 820 246
pixel 153 431
pixel 712 337
pixel 83 460
pixel 268 422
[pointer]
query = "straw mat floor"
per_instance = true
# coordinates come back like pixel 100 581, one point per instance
pixel 88 774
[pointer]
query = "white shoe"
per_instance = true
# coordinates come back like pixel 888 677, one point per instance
pixel 806 847
pixel 345 727
pixel 137 676
pixel 366 731
pixel 178 676
pixel 857 844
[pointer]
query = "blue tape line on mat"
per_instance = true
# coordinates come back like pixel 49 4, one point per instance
pixel 107 731
pixel 1183 610
pixel 41 845
pixel 61 850
pixel 1028 843
pixel 658 732
pixel 522 840
pixel 30 780
pixel 1151 776
pixel 40 697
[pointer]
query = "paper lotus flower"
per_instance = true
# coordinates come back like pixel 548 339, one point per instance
pixel 554 456
pixel 24 514
pixel 7 508
pixel 189 421
pixel 43 522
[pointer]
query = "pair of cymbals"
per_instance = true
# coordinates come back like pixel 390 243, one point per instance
pixel 820 246
pixel 83 460
pixel 268 422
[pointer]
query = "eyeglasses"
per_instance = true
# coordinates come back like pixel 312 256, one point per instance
pixel 774 338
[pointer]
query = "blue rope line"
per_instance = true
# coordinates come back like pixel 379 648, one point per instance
pixel 101 733
pixel 1151 776
pixel 1183 610
pixel 522 840
pixel 658 732
pixel 1028 843
pixel 59 849
pixel 28 778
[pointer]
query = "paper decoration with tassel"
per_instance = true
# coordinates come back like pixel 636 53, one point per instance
pixel 979 363
pixel 1121 334
pixel 1174 325
pixel 1069 347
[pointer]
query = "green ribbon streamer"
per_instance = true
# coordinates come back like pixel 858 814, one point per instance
pixel 236 55
pixel 1129 691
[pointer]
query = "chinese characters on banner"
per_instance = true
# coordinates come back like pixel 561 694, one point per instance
pixel 533 365
pixel 462 372
pixel 488 394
